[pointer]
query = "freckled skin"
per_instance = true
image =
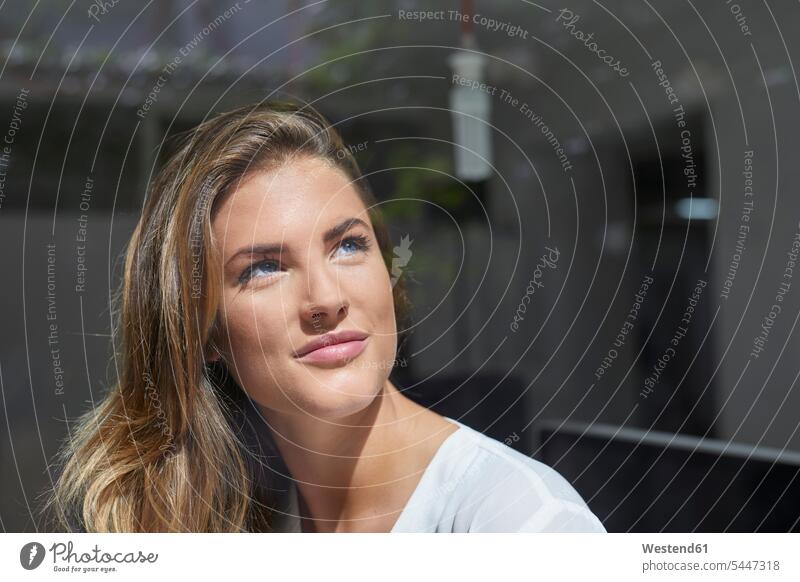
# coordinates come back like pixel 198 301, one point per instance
pixel 270 316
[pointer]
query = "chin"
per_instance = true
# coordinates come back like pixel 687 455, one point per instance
pixel 340 392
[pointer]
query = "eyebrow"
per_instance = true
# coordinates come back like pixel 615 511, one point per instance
pixel 275 248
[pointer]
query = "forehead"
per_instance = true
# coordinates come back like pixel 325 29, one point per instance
pixel 297 199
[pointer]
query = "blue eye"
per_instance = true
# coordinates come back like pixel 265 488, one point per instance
pixel 266 268
pixel 257 269
pixel 355 243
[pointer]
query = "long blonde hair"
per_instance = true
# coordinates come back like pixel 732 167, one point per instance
pixel 166 449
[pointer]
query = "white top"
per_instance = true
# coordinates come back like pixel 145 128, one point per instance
pixel 475 483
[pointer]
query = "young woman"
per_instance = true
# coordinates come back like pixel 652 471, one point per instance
pixel 259 326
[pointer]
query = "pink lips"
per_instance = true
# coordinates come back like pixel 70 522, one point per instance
pixel 336 353
pixel 333 348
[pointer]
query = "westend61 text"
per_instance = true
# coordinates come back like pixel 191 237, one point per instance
pixel 672 549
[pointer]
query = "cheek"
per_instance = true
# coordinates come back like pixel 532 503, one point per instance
pixel 370 293
pixel 373 310
pixel 245 325
pixel 259 354
pixel 254 336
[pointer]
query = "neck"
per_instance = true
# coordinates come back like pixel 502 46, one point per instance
pixel 357 467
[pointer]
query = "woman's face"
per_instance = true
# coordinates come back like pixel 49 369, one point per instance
pixel 299 260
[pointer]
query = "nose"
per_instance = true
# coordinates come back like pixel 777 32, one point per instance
pixel 323 305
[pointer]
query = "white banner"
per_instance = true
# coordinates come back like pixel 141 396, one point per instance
pixel 415 557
